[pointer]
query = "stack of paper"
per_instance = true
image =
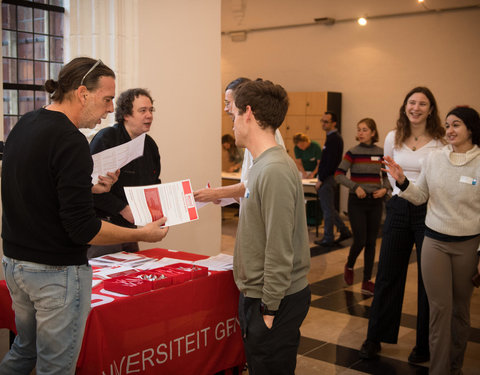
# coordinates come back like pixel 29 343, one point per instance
pixel 220 262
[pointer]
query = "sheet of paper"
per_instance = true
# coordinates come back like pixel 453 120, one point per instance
pixel 223 202
pixel 112 271
pixel 227 201
pixel 173 200
pixel 116 157
pixel 220 262
pixel 157 263
pixel 131 259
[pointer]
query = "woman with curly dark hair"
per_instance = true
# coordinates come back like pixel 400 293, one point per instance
pixel 418 132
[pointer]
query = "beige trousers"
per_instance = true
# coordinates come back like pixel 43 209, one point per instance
pixel 447 269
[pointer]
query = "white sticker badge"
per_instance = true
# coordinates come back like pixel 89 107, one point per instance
pixel 468 180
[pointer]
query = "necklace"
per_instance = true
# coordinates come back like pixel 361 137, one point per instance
pixel 414 148
pixel 416 138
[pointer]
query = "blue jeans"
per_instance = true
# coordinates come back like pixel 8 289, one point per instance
pixel 326 195
pixel 51 305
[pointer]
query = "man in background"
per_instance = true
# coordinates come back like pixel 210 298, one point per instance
pixel 134 116
pixel 272 254
pixel 331 157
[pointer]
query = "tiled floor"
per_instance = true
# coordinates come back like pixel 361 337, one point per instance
pixel 336 324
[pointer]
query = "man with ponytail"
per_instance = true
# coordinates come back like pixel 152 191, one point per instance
pixel 49 220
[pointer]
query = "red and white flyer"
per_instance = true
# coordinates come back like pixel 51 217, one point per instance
pixel 173 200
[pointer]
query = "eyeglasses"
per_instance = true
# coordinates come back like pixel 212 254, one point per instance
pixel 144 110
pixel 91 70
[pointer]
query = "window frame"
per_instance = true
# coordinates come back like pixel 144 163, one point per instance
pixel 9 119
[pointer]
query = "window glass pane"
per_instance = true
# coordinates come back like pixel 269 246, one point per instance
pixel 56 49
pixel 41 99
pixel 57 2
pixel 25 72
pixel 41 47
pixel 40 22
pixel 26 103
pixel 8 123
pixel 54 70
pixel 9 70
pixel 10 102
pixel 25 21
pixel 9 43
pixel 56 23
pixel 41 72
pixel 32 49
pixel 9 21
pixel 25 46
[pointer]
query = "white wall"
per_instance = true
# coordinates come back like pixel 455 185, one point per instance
pixel 373 67
pixel 171 48
pixel 179 44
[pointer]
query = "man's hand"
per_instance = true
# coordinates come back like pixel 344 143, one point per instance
pixel 207 195
pixel 318 184
pixel 127 214
pixel 268 319
pixel 154 232
pixel 105 183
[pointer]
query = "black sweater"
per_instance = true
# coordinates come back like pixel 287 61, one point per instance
pixel 48 214
pixel 331 156
pixel 144 170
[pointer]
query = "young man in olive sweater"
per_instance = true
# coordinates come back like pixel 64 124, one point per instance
pixel 272 255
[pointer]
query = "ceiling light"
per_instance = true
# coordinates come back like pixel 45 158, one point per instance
pixel 362 21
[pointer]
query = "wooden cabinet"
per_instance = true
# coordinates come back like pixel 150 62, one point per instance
pixel 305 111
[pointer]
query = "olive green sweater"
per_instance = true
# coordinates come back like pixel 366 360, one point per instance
pixel 272 253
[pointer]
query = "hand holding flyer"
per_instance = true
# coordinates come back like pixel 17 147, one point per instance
pixel 173 200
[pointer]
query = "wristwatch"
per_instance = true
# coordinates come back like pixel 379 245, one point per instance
pixel 265 311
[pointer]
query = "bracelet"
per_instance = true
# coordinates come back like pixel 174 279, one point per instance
pixel 265 311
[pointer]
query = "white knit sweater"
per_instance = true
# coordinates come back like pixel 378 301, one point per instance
pixel 447 182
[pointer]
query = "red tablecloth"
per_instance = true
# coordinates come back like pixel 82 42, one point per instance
pixel 190 328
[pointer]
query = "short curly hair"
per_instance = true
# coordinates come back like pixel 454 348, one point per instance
pixel 268 101
pixel 124 103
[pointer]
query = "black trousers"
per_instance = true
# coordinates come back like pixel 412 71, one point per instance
pixel 365 216
pixel 404 226
pixel 273 351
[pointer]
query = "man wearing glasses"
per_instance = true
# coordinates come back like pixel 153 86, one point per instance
pixel 134 117
pixel 49 220
pixel 331 158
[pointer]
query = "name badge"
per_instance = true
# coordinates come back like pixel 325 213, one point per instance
pixel 375 158
pixel 468 180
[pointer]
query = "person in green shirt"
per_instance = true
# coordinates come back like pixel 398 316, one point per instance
pixel 307 155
